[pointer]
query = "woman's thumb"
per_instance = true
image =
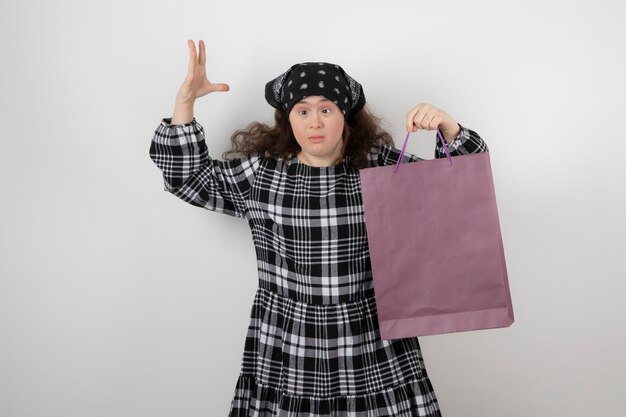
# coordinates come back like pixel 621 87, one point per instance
pixel 221 87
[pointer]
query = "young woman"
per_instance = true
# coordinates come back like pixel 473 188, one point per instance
pixel 313 346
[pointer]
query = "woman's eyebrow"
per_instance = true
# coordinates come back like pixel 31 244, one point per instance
pixel 304 101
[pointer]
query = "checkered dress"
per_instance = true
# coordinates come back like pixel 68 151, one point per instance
pixel 313 346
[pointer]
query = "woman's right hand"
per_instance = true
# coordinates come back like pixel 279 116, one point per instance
pixel 195 85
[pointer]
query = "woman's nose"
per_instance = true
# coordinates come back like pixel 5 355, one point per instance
pixel 316 120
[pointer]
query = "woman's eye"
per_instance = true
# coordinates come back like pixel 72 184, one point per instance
pixel 302 112
pixel 326 111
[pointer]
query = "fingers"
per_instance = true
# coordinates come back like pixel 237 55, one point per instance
pixel 424 116
pixel 202 59
pixel 196 58
pixel 193 56
pixel 196 83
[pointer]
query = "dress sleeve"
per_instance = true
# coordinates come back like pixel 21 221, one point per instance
pixel 189 172
pixel 388 155
pixel 466 142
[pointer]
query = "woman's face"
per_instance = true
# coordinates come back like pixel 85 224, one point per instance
pixel 317 124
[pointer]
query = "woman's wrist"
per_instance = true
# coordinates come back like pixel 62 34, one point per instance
pixel 183 113
pixel 451 133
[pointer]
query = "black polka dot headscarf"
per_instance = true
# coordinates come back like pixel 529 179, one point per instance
pixel 315 79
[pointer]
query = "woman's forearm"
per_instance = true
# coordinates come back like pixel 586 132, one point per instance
pixel 183 113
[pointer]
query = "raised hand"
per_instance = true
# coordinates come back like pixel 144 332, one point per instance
pixel 196 85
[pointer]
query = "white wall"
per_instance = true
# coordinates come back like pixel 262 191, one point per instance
pixel 116 299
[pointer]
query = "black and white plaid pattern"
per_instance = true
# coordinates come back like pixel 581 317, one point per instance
pixel 313 346
pixel 305 359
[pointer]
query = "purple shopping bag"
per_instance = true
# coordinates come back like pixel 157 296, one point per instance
pixel 436 248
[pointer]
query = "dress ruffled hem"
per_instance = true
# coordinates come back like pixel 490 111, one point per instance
pixel 412 398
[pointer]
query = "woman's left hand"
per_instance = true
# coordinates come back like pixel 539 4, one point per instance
pixel 428 117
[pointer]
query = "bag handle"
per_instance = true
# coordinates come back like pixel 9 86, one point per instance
pixel 406 140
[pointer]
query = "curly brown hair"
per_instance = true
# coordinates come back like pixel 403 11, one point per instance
pixel 361 133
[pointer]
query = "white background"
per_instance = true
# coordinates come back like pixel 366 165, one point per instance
pixel 117 299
